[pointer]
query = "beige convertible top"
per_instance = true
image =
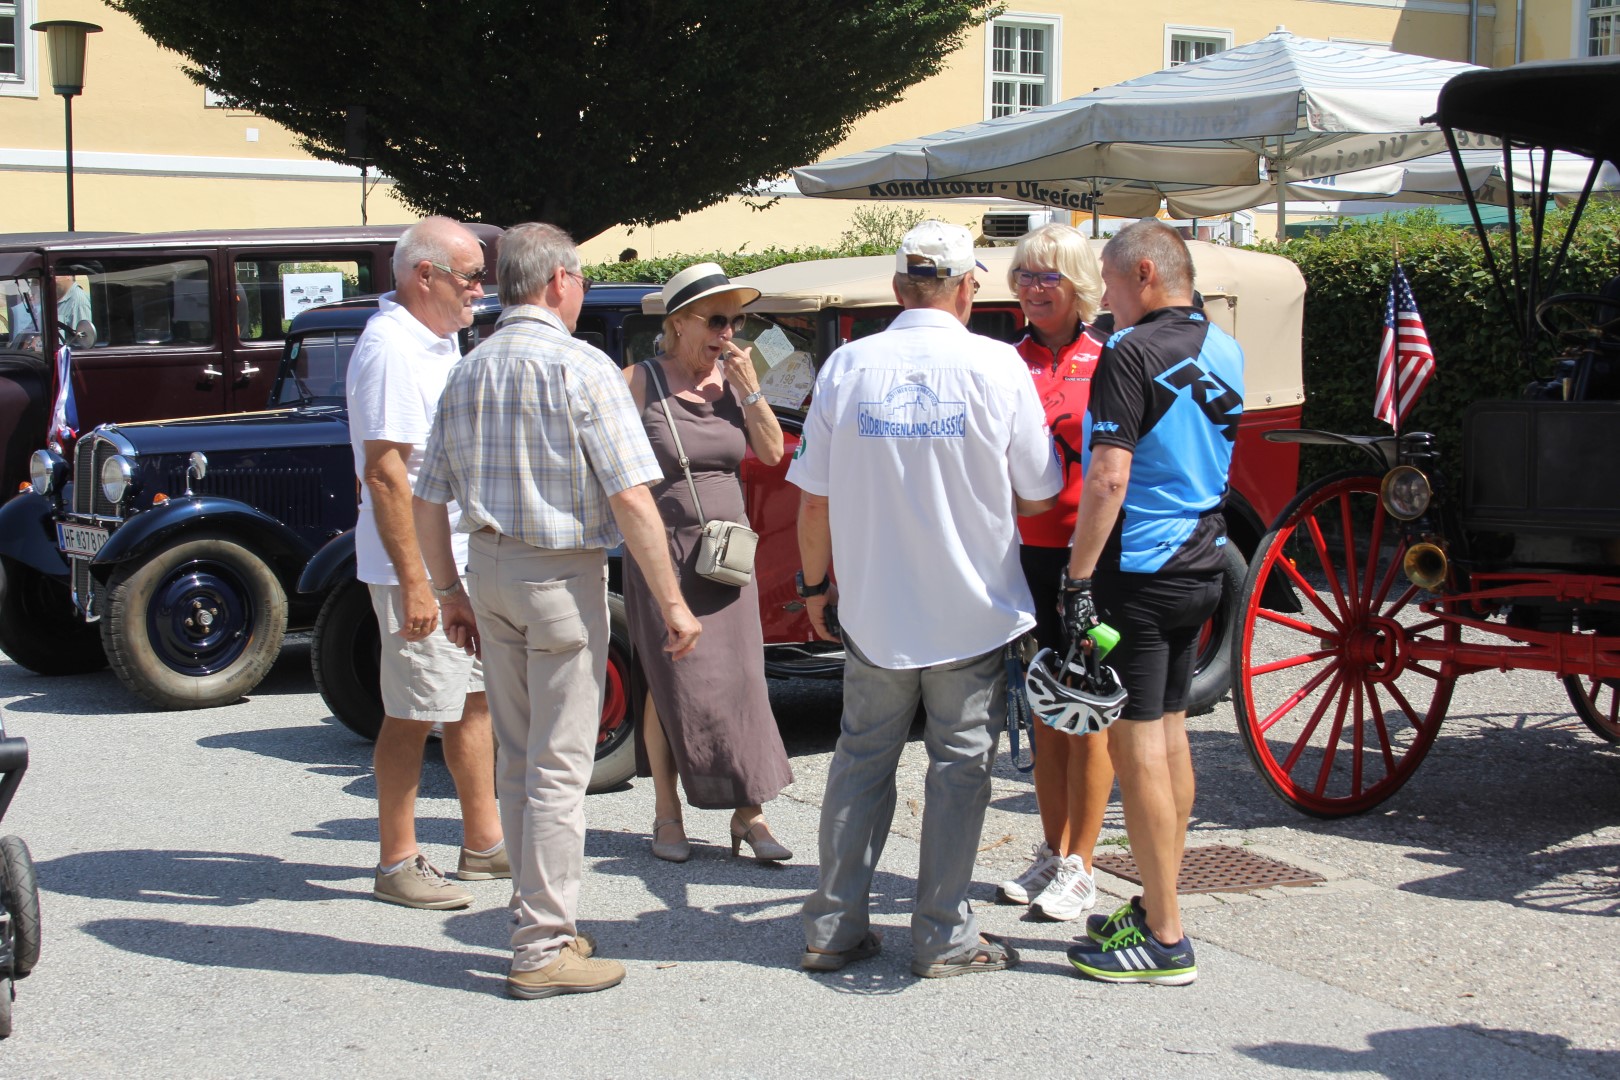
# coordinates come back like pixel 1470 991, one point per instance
pixel 1258 299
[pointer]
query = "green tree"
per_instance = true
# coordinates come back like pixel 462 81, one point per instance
pixel 583 113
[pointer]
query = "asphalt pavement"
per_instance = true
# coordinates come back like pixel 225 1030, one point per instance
pixel 206 905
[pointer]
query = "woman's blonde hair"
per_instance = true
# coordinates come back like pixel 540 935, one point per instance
pixel 1062 248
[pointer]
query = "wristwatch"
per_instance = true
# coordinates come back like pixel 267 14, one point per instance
pixel 446 592
pixel 751 398
pixel 810 590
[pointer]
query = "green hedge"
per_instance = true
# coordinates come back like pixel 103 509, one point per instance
pixel 1476 349
pixel 658 271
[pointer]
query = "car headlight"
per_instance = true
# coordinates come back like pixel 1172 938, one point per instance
pixel 45 471
pixel 1405 492
pixel 115 477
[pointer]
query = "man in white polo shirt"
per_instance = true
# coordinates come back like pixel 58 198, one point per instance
pixel 921 446
pixel 395 378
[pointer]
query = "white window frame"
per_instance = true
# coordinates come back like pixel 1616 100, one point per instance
pixel 26 82
pixel 1052 26
pixel 1194 33
pixel 1585 11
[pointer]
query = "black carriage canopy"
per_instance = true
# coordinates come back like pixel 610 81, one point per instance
pixel 1560 105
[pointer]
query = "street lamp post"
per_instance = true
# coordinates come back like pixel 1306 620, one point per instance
pixel 65 40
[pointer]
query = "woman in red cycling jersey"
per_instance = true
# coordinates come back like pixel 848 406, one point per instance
pixel 1058 283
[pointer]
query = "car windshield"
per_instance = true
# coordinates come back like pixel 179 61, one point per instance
pixel 314 366
pixel 20 312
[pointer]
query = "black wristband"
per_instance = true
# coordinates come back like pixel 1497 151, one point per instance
pixel 1069 584
pixel 804 590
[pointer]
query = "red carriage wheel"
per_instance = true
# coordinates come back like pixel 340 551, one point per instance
pixel 1336 701
pixel 1597 703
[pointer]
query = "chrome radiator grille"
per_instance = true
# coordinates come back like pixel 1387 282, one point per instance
pixel 88 457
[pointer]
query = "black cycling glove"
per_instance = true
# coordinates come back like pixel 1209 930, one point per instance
pixel 1079 609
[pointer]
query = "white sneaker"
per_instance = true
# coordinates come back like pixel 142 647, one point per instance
pixel 1070 893
pixel 1034 878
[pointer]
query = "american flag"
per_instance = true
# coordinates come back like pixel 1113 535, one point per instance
pixel 1405 363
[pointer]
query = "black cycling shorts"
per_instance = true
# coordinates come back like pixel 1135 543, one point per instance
pixel 1158 617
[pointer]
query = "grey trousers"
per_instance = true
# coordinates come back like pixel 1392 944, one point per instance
pixel 542 616
pixel 966 702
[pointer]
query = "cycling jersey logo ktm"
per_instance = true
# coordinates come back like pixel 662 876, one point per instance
pixel 1218 401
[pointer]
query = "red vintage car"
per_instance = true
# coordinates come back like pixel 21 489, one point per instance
pixel 808 309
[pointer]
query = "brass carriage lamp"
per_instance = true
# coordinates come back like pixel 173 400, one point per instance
pixel 65 39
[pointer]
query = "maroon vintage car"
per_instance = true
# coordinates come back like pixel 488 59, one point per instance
pixel 164 325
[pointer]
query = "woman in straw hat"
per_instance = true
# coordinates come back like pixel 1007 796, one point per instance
pixel 708 717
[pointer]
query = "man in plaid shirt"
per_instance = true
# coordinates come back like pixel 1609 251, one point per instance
pixel 538 441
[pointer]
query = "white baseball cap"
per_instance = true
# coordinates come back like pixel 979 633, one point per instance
pixel 936 249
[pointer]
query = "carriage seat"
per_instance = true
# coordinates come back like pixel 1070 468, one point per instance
pixel 1541 467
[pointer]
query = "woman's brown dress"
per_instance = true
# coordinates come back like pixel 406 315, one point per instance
pixel 713 704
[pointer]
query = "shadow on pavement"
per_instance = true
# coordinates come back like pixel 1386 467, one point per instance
pixel 198 878
pixel 1420 1053
pixel 333 750
pixel 1491 808
pixel 255 948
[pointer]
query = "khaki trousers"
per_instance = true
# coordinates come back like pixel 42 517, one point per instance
pixel 543 621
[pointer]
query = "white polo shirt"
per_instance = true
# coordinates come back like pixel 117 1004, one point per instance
pixel 920 437
pixel 396 374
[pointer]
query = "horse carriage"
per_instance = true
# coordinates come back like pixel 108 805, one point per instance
pixel 1376 589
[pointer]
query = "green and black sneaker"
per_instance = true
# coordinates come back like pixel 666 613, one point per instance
pixel 1134 955
pixel 1100 928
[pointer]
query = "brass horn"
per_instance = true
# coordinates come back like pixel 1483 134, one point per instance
pixel 1425 565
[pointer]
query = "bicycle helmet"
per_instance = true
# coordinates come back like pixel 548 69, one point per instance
pixel 1077 695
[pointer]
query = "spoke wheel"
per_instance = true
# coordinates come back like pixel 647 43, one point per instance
pixel 1333 705
pixel 1597 703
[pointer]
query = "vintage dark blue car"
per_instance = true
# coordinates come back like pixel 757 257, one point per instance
pixel 173 550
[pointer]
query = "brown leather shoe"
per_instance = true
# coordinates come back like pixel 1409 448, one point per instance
pixel 569 973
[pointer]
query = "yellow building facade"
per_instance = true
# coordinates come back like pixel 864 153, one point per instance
pixel 152 152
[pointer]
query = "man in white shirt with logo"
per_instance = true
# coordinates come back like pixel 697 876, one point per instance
pixel 921 446
pixel 395 377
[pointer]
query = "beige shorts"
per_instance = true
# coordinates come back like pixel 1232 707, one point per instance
pixel 421 680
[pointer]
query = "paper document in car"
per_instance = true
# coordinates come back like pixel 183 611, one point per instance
pixel 787 384
pixel 774 346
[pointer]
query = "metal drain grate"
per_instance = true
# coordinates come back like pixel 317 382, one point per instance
pixel 1217 868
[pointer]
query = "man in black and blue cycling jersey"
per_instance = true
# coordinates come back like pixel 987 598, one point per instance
pixel 1147 559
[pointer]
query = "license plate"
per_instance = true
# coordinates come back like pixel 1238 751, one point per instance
pixel 80 539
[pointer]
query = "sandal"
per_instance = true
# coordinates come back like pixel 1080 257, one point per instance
pixel 676 850
pixel 991 955
pixel 867 947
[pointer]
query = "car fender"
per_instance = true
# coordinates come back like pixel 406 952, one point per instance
pixel 331 566
pixel 28 534
pixel 150 530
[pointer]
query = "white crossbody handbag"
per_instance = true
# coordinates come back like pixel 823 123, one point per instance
pixel 725 548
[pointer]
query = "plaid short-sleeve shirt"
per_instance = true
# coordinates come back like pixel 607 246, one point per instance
pixel 535 431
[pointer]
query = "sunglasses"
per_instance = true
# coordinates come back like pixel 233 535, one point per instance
pixel 1046 279
pixel 475 277
pixel 718 323
pixel 585 283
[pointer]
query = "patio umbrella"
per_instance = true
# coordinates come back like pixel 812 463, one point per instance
pixel 1422 180
pixel 1296 108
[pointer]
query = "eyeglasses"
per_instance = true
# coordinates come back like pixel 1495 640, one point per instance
pixel 718 323
pixel 1046 279
pixel 976 286
pixel 474 277
pixel 585 283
